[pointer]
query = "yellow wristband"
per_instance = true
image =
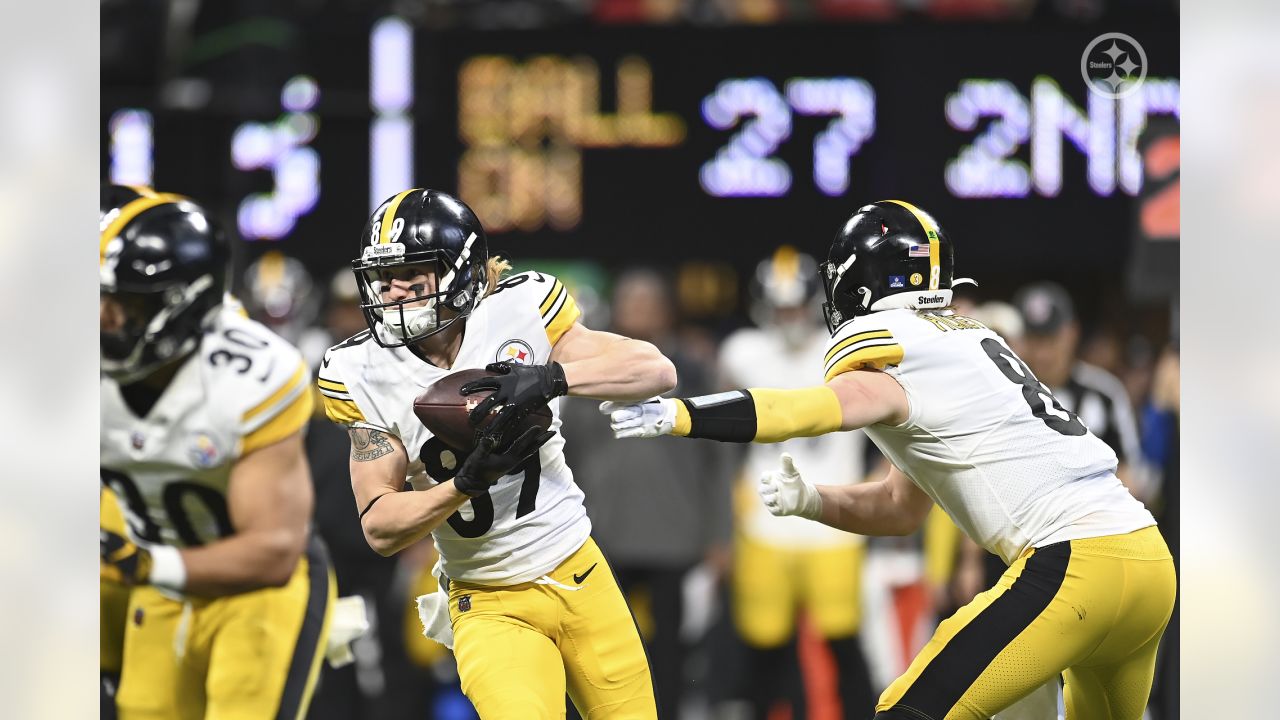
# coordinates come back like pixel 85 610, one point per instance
pixel 683 422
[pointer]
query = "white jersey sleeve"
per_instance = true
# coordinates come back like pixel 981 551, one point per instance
pixel 984 438
pixel 265 386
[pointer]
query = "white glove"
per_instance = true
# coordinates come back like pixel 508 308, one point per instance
pixel 651 418
pixel 784 492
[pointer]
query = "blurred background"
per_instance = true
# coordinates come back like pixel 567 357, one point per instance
pixel 681 164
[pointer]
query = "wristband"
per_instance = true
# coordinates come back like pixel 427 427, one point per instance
pixel 168 572
pixel 559 384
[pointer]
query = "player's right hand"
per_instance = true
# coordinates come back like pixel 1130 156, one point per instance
pixel 784 492
pixel 650 418
pixel 123 561
pixel 487 464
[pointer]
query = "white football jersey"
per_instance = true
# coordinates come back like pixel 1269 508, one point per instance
pixel 758 358
pixel 242 389
pixel 985 439
pixel 531 520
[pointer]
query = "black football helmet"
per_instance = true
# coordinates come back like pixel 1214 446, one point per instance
pixel 424 228
pixel 889 254
pixel 164 260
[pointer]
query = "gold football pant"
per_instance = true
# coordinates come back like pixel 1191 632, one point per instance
pixel 113 598
pixel 1092 610
pixel 253 656
pixel 520 648
pixel 771 584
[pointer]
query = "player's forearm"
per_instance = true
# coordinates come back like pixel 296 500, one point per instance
pixel 243 562
pixel 625 370
pixel 869 508
pixel 397 520
pixel 760 415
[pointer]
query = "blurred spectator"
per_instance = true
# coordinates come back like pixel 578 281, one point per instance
pixel 787 566
pixel 658 510
pixel 1049 347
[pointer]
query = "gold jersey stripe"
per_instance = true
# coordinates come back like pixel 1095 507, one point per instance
pixel 878 357
pixel 564 319
pixel 279 394
pixel 331 385
pixel 342 412
pixel 858 337
pixel 388 217
pixel 285 423
pixel 550 300
pixel 130 211
pixel 931 232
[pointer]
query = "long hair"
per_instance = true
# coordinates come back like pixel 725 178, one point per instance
pixel 495 269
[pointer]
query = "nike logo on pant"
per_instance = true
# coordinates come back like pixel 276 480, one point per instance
pixel 579 578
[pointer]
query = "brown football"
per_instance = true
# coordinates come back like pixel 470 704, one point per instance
pixel 443 410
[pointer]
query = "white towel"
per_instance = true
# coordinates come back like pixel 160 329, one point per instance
pixel 350 620
pixel 433 611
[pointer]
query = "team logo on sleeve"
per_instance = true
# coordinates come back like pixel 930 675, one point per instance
pixel 516 351
pixel 204 452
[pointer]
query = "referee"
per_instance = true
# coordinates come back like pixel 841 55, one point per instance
pixel 1051 338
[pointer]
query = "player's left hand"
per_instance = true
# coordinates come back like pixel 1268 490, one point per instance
pixel 489 462
pixel 784 492
pixel 517 389
pixel 123 561
pixel 647 419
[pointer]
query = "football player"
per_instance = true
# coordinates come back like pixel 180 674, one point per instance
pixel 534 607
pixel 784 564
pixel 201 439
pixel 1090 586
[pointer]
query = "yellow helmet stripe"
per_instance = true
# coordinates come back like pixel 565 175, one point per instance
pixel 930 231
pixel 388 217
pixel 143 190
pixel 271 268
pixel 130 211
pixel 786 264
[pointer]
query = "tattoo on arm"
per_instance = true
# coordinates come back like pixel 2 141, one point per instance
pixel 369 444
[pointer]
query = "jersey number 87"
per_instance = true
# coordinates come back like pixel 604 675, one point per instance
pixel 442 463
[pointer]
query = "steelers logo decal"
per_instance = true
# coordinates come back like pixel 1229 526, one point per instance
pixel 916 278
pixel 204 453
pixel 516 351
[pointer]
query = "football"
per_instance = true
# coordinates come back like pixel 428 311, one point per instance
pixel 443 410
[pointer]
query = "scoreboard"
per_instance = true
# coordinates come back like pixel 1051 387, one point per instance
pixel 666 144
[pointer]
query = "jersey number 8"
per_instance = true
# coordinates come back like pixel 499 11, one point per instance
pixel 1042 402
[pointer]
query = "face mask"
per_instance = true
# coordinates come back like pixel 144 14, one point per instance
pixel 417 320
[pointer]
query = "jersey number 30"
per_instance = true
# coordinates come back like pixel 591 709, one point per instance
pixel 442 463
pixel 1042 402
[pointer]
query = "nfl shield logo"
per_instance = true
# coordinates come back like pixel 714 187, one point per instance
pixel 464 603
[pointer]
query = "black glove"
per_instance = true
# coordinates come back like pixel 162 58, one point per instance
pixel 123 561
pixel 486 464
pixel 518 389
